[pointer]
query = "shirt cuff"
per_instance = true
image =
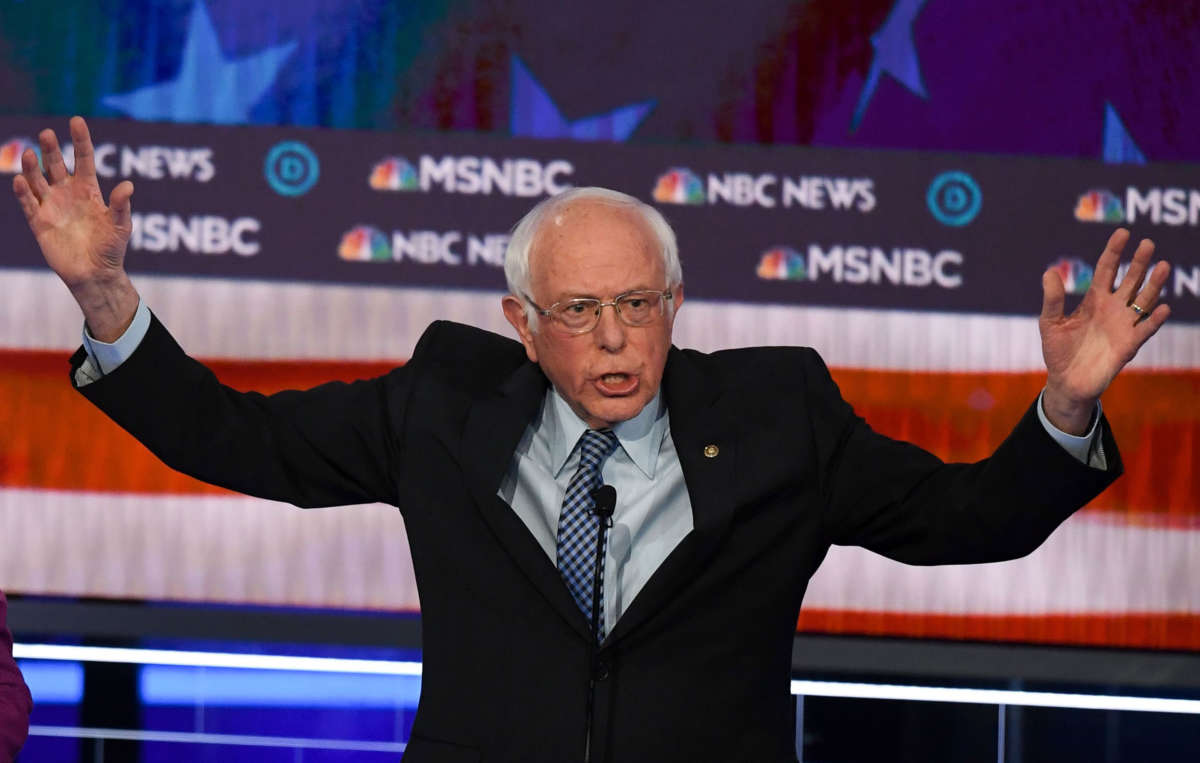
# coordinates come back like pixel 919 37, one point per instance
pixel 1087 449
pixel 107 356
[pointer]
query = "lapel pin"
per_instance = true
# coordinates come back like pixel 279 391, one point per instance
pixel 711 451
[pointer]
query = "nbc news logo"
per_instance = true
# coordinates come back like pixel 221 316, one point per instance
pixel 679 185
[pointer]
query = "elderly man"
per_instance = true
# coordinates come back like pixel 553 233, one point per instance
pixel 15 702
pixel 734 472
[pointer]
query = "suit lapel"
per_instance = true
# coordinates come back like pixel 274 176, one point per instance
pixel 700 418
pixel 493 430
pixel 705 430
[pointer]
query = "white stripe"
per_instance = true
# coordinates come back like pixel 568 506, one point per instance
pixel 1093 564
pixel 223 318
pixel 242 740
pixel 244 550
pixel 995 697
pixel 213 659
pixel 799 687
pixel 205 548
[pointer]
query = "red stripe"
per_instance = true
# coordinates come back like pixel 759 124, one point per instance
pixel 1155 417
pixel 1140 630
pixel 54 439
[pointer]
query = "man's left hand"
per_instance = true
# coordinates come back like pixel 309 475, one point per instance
pixel 1085 350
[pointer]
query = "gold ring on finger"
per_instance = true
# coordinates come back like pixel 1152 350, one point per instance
pixel 1136 309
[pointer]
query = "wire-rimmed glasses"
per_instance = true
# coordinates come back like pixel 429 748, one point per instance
pixel 580 315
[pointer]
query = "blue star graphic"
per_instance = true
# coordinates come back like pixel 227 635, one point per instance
pixel 1119 147
pixel 209 87
pixel 895 54
pixel 532 114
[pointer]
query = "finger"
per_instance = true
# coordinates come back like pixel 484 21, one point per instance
pixel 29 203
pixel 1150 326
pixel 1132 281
pixel 1110 258
pixel 32 173
pixel 1054 293
pixel 52 159
pixel 1148 296
pixel 119 206
pixel 85 163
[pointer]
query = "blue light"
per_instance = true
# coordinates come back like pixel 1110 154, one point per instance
pixel 240 687
pixel 53 682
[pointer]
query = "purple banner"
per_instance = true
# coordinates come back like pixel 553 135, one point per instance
pixel 881 229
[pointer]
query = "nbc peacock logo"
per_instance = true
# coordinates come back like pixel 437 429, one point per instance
pixel 394 174
pixel 1075 273
pixel 363 243
pixel 10 154
pixel 1099 206
pixel 782 263
pixel 679 185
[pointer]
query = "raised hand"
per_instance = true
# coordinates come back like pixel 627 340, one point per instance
pixel 82 239
pixel 1085 350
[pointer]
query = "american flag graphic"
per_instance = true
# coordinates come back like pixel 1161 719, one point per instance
pixel 86 511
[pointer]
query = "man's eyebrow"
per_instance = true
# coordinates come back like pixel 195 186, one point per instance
pixel 567 295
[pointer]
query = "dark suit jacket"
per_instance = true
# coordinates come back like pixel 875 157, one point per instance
pixel 15 702
pixel 698 667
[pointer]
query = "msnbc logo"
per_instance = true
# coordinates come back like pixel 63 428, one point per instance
pixel 1099 206
pixel 365 244
pixel 782 263
pixel 679 185
pixel 858 264
pixel 1075 273
pixel 10 154
pixel 394 174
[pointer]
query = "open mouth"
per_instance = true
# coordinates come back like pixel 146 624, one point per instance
pixel 616 384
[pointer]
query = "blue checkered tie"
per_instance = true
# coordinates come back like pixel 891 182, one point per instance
pixel 577 526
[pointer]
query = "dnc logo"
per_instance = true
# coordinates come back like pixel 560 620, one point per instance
pixel 291 168
pixel 1075 273
pixel 10 154
pixel 782 263
pixel 679 185
pixel 362 243
pixel 954 198
pixel 394 174
pixel 1099 206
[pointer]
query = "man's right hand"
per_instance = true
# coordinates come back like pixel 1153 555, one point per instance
pixel 82 239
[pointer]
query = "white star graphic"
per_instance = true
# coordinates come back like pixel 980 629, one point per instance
pixel 209 87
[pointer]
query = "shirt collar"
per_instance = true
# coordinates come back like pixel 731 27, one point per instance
pixel 640 437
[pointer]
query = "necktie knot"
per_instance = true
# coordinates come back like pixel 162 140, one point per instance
pixel 595 446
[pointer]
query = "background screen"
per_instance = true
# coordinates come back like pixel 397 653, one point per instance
pixel 883 181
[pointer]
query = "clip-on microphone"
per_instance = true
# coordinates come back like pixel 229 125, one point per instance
pixel 604 501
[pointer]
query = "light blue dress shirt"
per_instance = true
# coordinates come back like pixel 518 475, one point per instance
pixel 653 512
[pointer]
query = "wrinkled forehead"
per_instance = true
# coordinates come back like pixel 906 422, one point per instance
pixel 592 230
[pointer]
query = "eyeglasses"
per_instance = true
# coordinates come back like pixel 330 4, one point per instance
pixel 582 314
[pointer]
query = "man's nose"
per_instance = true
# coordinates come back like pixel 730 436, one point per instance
pixel 610 331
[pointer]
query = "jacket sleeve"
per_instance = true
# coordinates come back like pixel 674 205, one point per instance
pixel 15 701
pixel 335 444
pixel 903 502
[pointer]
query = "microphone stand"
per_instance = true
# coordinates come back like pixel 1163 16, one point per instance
pixel 604 499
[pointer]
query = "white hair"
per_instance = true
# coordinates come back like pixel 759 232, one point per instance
pixel 520 243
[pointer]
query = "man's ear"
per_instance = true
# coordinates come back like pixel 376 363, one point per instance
pixel 514 311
